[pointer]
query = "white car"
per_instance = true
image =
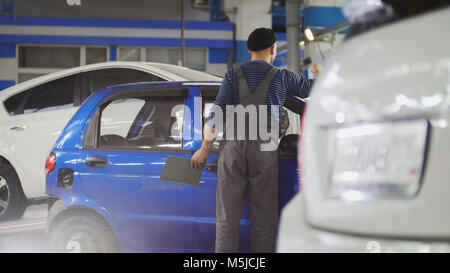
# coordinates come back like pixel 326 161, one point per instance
pixel 33 113
pixel 376 145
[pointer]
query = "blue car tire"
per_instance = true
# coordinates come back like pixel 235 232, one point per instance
pixel 83 232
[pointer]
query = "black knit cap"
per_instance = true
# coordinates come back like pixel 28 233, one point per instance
pixel 261 38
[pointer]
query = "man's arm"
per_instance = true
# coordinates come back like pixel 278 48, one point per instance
pixel 225 97
pixel 200 156
pixel 299 86
pixel 316 69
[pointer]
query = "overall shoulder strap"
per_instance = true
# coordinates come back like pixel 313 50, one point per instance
pixel 243 87
pixel 262 89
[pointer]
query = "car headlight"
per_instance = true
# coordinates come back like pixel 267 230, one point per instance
pixel 380 160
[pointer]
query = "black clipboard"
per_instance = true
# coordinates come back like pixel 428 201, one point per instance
pixel 179 170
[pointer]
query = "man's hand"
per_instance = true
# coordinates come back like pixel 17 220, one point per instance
pixel 316 69
pixel 199 158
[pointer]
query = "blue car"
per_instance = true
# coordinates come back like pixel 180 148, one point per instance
pixel 103 174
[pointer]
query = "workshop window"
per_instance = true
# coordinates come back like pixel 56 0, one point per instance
pixel 96 55
pixel 137 123
pixel 48 57
pixel 35 61
pixel 130 54
pixel 195 58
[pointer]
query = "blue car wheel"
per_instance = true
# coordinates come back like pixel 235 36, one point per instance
pixel 83 233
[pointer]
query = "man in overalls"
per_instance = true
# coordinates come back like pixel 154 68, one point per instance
pixel 243 166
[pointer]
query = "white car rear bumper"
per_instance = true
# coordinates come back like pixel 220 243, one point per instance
pixel 295 235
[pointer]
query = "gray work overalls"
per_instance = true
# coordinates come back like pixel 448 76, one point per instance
pixel 243 167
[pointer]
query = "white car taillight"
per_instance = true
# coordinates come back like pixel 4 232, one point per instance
pixel 382 160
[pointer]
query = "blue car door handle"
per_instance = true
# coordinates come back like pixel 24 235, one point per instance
pixel 211 166
pixel 96 162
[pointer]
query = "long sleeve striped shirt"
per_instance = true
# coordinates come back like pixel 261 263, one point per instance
pixel 283 84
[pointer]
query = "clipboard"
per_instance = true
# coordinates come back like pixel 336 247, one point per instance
pixel 179 170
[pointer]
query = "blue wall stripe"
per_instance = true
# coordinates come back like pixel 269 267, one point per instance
pixel 113 53
pixel 119 41
pixel 281 36
pixel 322 16
pixel 123 23
pixel 7 50
pixel 6 84
pixel 242 54
pixel 218 55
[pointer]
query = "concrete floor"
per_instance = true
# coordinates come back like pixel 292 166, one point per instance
pixel 26 234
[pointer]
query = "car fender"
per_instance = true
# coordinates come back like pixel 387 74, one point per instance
pixel 29 189
pixel 66 205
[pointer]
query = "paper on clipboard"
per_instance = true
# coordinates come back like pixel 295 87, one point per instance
pixel 179 169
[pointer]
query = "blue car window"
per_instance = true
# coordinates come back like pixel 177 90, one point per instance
pixel 142 123
pixel 119 115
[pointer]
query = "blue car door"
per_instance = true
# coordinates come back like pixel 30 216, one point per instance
pixel 125 148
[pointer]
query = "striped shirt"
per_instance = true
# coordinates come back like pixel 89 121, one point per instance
pixel 283 84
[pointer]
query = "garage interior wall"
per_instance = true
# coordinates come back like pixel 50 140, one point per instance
pixel 146 27
pixel 149 28
pixel 250 14
pixel 319 14
pixel 107 9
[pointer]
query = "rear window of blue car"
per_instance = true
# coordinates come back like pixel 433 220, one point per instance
pixel 142 123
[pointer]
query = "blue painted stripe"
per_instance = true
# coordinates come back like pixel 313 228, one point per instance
pixel 7 50
pixel 218 55
pixel 282 58
pixel 242 54
pixel 120 41
pixel 6 84
pixel 279 62
pixel 113 53
pixel 314 16
pixel 281 36
pixel 123 23
pixel 282 54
